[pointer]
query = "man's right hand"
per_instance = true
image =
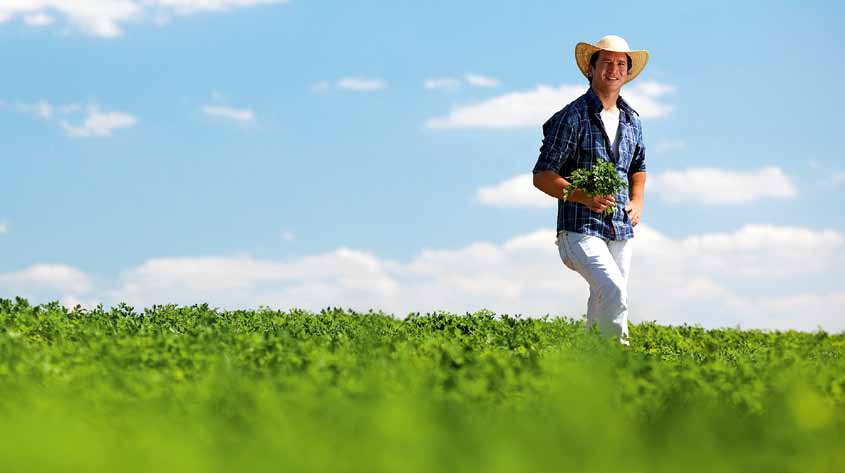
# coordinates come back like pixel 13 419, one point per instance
pixel 596 203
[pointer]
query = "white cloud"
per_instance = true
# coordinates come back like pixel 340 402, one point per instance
pixel 516 192
pixel 718 186
pixel 653 88
pixel 664 146
pixel 104 18
pixel 759 276
pixel 442 83
pixel 72 301
pixel 343 277
pixel 94 122
pixel 361 84
pixel 192 6
pixel 511 110
pixel 239 115
pixel 452 84
pixel 707 278
pixel 70 108
pixel 481 81
pixel 4 227
pixel 40 277
pixel 40 109
pixel 697 185
pixel 355 84
pixel 837 178
pixel 645 97
pixel 525 109
pixel 288 236
pixel 98 18
pixel 38 19
pixel 98 124
pixel 763 251
pixel 784 312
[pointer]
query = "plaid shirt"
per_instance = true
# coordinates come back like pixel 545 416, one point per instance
pixel 575 137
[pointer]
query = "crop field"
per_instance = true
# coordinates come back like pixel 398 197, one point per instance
pixel 174 388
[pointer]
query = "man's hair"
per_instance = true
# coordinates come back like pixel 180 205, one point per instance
pixel 595 57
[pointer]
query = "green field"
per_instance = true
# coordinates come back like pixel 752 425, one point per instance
pixel 183 389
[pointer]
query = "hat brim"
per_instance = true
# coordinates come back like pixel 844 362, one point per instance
pixel 583 51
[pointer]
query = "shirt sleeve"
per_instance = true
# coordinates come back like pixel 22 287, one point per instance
pixel 638 161
pixel 560 141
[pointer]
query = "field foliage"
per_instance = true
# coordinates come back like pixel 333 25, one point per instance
pixel 173 388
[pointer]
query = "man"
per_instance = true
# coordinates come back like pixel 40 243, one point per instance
pixel 598 125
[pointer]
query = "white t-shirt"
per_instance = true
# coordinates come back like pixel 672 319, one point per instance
pixel 611 123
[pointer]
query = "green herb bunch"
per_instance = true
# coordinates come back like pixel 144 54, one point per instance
pixel 602 179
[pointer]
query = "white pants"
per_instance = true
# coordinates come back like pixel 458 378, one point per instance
pixel 605 265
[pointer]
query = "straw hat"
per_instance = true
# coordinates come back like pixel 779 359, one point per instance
pixel 583 51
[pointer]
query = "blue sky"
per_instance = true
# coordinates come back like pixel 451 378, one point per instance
pixel 376 155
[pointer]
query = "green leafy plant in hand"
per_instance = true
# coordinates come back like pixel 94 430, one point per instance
pixel 602 179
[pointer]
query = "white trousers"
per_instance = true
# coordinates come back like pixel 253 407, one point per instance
pixel 605 265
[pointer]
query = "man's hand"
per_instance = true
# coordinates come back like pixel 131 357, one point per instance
pixel 635 210
pixel 596 203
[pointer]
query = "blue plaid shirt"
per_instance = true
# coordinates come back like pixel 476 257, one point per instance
pixel 575 137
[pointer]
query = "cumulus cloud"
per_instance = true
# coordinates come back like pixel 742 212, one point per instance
pixel 525 109
pixel 646 98
pixel 99 124
pixel 343 277
pixel 720 279
pixel 186 7
pixel 354 84
pixel 452 83
pixel 97 17
pixel 653 88
pixel 46 277
pixel 41 109
pixel 516 192
pixel 442 83
pixel 229 113
pixel 719 186
pixel 478 80
pixel 91 122
pixel 361 84
pixel 511 110
pixel 38 19
pixel 758 276
pixel 696 185
pixel 104 18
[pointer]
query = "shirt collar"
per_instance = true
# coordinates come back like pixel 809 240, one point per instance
pixel 595 105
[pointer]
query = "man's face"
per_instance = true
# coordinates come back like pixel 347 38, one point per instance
pixel 610 71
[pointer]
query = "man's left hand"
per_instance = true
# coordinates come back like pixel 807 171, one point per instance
pixel 635 210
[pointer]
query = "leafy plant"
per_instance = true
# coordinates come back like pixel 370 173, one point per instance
pixel 177 388
pixel 602 179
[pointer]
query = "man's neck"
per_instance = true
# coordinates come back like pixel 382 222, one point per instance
pixel 608 98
